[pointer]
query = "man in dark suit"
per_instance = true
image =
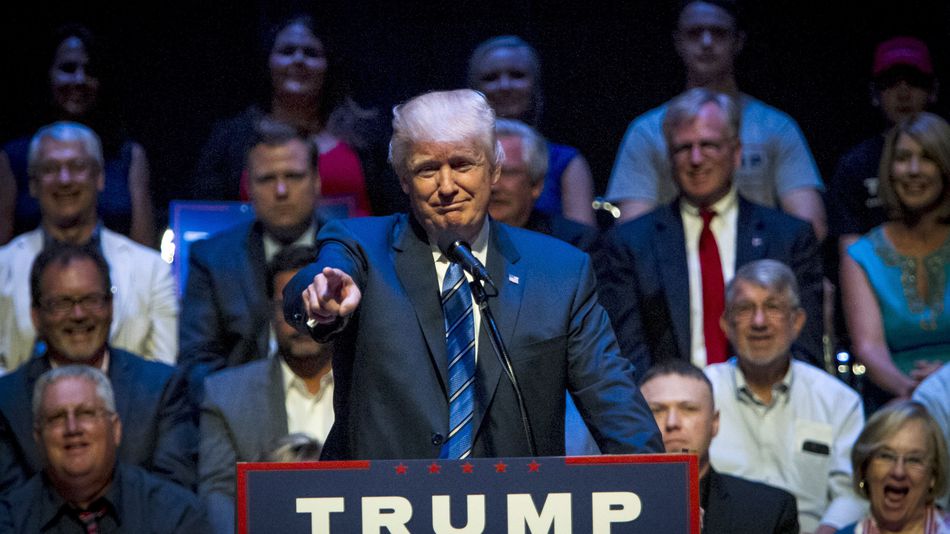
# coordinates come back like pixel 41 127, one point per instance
pixel 376 287
pixel 652 273
pixel 72 313
pixel 681 398
pixel 289 393
pixel 225 310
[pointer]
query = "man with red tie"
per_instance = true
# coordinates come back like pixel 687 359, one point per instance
pixel 662 275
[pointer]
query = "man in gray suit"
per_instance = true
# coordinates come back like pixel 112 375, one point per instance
pixel 289 393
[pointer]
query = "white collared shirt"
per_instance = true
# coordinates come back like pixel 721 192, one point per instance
pixel 307 413
pixel 723 227
pixel 480 251
pixel 272 246
pixel 800 441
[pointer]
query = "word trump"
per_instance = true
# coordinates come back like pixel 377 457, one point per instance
pixel 394 513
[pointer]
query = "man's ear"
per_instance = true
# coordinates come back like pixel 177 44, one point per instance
pixel 715 423
pixel 117 430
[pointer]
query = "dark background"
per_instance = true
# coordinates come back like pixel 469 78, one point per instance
pixel 173 68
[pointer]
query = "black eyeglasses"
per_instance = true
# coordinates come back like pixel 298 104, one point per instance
pixel 93 302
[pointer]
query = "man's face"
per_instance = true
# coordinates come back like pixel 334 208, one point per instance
pixel 291 343
pixel 449 186
pixel 513 195
pixel 66 183
pixel 284 187
pixel 78 435
pixel 683 409
pixel 75 311
pixel 903 92
pixel 762 325
pixel 708 42
pixel 704 156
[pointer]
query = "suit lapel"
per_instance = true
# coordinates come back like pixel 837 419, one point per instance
pixel 256 276
pixel 750 238
pixel 416 271
pixel 670 245
pixel 510 279
pixel 717 503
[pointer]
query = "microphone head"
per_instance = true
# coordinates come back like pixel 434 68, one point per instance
pixel 449 241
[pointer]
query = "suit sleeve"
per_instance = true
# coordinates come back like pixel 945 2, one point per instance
pixel 201 332
pixel 216 464
pixel 162 342
pixel 620 295
pixel 602 382
pixel 806 263
pixel 12 473
pixel 176 449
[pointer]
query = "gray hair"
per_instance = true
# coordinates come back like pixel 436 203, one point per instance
pixel 533 146
pixel 772 275
pixel 66 132
pixel 443 116
pixel 85 372
pixel 685 108
pixel 933 135
pixel 296 447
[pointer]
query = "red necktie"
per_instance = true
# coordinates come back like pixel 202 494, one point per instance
pixel 714 291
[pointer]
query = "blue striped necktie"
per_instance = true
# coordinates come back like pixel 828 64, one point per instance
pixel 460 349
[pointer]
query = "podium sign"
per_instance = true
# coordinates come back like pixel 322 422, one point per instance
pixel 594 494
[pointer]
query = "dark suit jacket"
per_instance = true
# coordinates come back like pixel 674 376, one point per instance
pixel 644 280
pixel 580 235
pixel 242 415
pixel 225 312
pixel 158 431
pixel 739 506
pixel 390 372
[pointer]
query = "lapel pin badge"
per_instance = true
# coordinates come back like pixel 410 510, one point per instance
pixel 513 279
pixel 756 241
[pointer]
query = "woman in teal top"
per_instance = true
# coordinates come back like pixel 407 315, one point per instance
pixel 895 278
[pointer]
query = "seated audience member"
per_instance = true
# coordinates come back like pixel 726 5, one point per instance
pixel 289 393
pixel 934 394
pixel 512 202
pixel 225 314
pixel 681 399
pixel 66 174
pixel 125 203
pixel 900 464
pixel 903 85
pixel 308 92
pixel 776 169
pixel 507 70
pixel 895 280
pixel 72 310
pixel 87 488
pixel 297 447
pixel 783 422
pixel 662 276
pixel 521 182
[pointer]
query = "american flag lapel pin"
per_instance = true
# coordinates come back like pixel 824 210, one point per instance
pixel 513 279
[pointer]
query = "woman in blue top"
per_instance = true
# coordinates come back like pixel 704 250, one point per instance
pixel 895 278
pixel 507 70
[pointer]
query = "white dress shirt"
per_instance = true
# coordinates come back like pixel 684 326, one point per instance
pixel 307 413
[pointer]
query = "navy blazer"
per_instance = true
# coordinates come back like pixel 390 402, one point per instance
pixel 644 279
pixel 390 399
pixel 738 506
pixel 158 429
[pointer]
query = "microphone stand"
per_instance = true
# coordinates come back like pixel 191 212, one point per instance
pixel 481 297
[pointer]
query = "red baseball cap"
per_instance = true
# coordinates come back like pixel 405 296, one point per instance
pixel 909 51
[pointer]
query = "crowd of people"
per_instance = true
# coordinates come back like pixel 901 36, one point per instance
pixel 315 332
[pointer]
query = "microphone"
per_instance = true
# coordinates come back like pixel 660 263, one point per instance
pixel 460 252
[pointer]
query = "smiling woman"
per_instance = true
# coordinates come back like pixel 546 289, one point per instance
pixel 900 465
pixel 895 279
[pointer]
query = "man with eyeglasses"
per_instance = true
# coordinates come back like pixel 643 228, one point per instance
pixel 71 308
pixel 662 276
pixel 84 487
pixel 781 421
pixel 777 168
pixel 66 176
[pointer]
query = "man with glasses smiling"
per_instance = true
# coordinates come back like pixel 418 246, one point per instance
pixel 84 488
pixel 783 422
pixel 662 276
pixel 66 176
pixel 72 312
